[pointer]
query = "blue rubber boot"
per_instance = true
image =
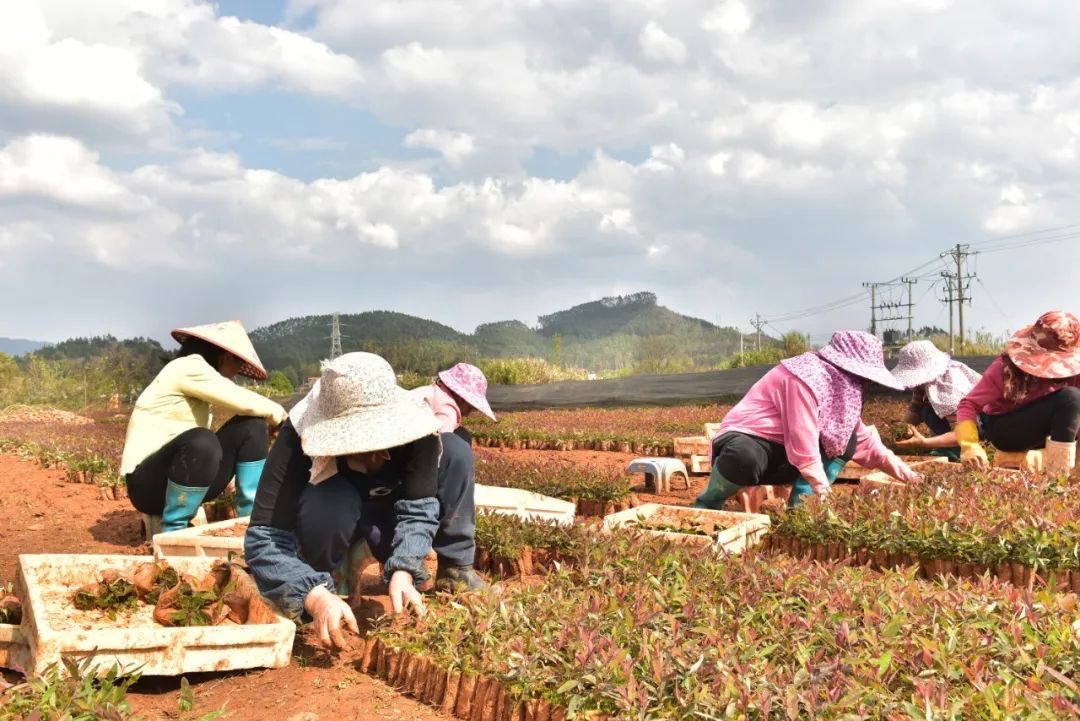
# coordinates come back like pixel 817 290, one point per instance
pixel 953 453
pixel 181 505
pixel 718 490
pixel 801 487
pixel 247 482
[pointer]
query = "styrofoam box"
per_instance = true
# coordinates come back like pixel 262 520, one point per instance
pixel 194 541
pixel 747 531
pixel 14 651
pixel 53 628
pixel 524 504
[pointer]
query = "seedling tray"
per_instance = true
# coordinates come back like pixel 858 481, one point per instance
pixel 14 651
pixel 55 629
pixel 744 529
pixel 202 541
pixel 853 471
pixel 524 504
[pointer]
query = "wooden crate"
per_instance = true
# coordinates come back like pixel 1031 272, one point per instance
pixel 53 628
pixel 14 651
pixel 200 541
pixel 699 464
pixel 690 446
pixel 747 530
pixel 524 504
pixel 711 429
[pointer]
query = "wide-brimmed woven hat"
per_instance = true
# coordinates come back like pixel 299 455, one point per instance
pixel 469 382
pixel 229 336
pixel 1049 347
pixel 356 406
pixel 860 354
pixel 920 362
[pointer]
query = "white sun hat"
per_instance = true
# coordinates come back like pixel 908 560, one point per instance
pixel 920 363
pixel 356 406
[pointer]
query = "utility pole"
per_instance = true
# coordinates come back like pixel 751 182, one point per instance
pixel 758 324
pixel 335 337
pixel 949 301
pixel 959 288
pixel 873 306
pixel 910 306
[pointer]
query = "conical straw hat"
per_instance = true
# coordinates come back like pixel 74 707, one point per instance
pixel 230 336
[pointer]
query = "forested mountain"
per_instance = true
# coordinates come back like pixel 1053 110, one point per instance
pixel 612 333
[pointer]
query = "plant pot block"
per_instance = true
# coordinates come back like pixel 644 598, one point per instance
pixel 202 540
pixel 744 529
pixel 14 650
pixel 879 480
pixel 55 629
pixel 524 504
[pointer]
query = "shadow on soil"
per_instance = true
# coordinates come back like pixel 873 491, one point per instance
pixel 121 528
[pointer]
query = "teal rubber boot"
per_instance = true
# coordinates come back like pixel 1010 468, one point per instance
pixel 801 487
pixel 247 482
pixel 181 505
pixel 718 490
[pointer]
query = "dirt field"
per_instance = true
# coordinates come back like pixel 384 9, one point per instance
pixel 45 514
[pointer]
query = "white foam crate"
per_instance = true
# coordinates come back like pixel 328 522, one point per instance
pixel 14 651
pixel 747 530
pixel 194 541
pixel 53 628
pixel 524 504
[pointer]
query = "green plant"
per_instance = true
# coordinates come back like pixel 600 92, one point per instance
pixel 111 594
pixel 71 692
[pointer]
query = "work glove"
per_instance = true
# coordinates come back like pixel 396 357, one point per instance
pixel 329 612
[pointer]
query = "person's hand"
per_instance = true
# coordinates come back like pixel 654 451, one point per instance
pixel 915 440
pixel 974 456
pixel 403 593
pixel 329 611
pixel 274 425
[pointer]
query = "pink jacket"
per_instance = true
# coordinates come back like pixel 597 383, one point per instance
pixel 443 404
pixel 988 395
pixel 781 408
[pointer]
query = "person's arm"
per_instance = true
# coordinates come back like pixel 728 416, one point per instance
pixel 201 381
pixel 417 510
pixel 802 437
pixel 270 545
pixel 991 387
pixel 918 440
pixel 872 453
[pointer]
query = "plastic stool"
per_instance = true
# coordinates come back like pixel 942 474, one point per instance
pixel 661 470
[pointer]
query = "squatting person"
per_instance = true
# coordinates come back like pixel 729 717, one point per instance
pixel 172 461
pixel 457 393
pixel 938 384
pixel 801 423
pixel 361 460
pixel 1029 397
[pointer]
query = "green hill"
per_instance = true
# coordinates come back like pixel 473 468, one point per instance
pixel 615 333
pixel 19 346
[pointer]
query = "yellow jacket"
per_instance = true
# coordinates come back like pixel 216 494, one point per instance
pixel 179 399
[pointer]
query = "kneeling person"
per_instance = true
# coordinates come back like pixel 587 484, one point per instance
pixel 360 460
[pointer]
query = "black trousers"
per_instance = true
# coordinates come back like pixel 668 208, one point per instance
pixel 1025 429
pixel 198 458
pixel 747 460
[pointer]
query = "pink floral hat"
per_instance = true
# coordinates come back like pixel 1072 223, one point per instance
pixel 861 354
pixel 469 382
pixel 1049 347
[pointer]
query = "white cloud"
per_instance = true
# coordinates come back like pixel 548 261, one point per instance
pixel 454 147
pixel 659 45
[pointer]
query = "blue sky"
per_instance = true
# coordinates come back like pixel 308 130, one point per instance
pixel 477 161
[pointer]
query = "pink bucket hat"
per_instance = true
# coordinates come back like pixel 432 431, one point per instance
pixel 920 363
pixel 1049 347
pixel 469 382
pixel 860 354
